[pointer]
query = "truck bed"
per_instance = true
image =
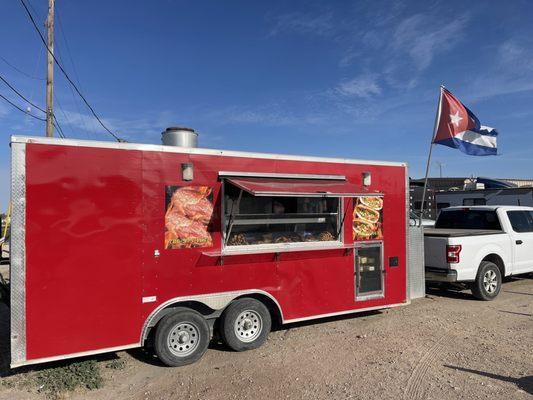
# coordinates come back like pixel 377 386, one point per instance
pixel 459 232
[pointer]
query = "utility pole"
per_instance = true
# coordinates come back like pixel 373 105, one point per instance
pixel 50 71
pixel 440 164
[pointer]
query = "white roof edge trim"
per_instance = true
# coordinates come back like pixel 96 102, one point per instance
pixel 201 151
pixel 274 175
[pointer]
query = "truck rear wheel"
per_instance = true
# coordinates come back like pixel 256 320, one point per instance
pixel 488 281
pixel 245 324
pixel 181 338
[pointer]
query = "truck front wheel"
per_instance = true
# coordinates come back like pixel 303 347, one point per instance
pixel 488 281
pixel 245 324
pixel 181 338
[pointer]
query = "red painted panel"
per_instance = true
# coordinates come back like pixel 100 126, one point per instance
pixel 95 218
pixel 83 230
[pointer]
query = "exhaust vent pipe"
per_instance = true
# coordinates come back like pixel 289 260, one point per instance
pixel 179 136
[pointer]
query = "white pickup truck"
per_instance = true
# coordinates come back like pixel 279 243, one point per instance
pixel 479 245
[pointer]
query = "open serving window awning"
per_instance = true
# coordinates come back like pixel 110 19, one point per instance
pixel 295 187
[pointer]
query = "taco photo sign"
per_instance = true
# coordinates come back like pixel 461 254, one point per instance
pixel 188 212
pixel 368 218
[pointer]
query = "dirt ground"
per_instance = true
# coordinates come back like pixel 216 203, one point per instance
pixel 445 346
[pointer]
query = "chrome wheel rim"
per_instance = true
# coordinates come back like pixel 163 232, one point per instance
pixel 183 339
pixel 248 326
pixel 490 281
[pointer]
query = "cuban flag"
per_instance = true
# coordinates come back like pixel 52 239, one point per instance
pixel 459 128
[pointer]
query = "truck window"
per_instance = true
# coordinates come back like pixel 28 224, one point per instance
pixel 521 221
pixel 474 202
pixel 251 220
pixel 468 219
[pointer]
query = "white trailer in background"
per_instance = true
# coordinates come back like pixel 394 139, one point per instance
pixel 485 197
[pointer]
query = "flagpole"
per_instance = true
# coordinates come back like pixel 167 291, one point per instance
pixel 437 119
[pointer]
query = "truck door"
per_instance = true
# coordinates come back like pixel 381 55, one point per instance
pixel 522 240
pixel 369 280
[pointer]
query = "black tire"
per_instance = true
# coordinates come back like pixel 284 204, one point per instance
pixel 245 324
pixel 488 281
pixel 181 338
pixel 443 286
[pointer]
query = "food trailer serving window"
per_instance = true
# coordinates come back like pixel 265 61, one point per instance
pixel 264 211
pixel 294 187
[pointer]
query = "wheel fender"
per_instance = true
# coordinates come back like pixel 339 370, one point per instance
pixel 215 301
pixel 488 250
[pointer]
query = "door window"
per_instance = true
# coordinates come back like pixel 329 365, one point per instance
pixel 521 221
pixel 369 271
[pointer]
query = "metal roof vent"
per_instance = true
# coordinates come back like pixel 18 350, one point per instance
pixel 179 136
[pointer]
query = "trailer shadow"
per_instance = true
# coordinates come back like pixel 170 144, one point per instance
pixel 5 352
pixel 147 355
pixel 524 383
pixel 354 316
pixel 217 345
pixel 7 371
pixel 450 291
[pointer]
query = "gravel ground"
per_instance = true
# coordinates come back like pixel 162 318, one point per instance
pixel 445 346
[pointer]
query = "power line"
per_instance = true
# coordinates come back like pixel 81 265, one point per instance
pixel 20 109
pixel 59 129
pixel 20 71
pixel 32 7
pixel 66 75
pixel 75 100
pixel 62 111
pixel 32 104
pixel 39 56
pixel 21 95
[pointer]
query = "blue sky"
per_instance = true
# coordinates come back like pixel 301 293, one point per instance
pixel 352 79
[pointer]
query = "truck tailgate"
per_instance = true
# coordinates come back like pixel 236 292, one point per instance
pixel 435 252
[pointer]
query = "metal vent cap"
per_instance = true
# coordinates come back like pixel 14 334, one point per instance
pixel 179 136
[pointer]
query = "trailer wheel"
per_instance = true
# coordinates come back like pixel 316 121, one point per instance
pixel 245 324
pixel 181 338
pixel 488 281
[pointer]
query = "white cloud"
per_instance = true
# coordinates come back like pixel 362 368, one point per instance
pixel 273 114
pixel 361 86
pixel 515 56
pixel 144 129
pixel 147 126
pixel 4 110
pixel 348 58
pixel 510 52
pixel 320 25
pixel 397 47
pixel 511 71
pixel 422 37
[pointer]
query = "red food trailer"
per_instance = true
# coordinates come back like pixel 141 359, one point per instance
pixel 113 244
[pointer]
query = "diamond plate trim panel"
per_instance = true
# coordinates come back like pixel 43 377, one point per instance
pixel 17 274
pixel 417 278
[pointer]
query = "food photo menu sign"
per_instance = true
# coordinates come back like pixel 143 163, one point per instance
pixel 368 218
